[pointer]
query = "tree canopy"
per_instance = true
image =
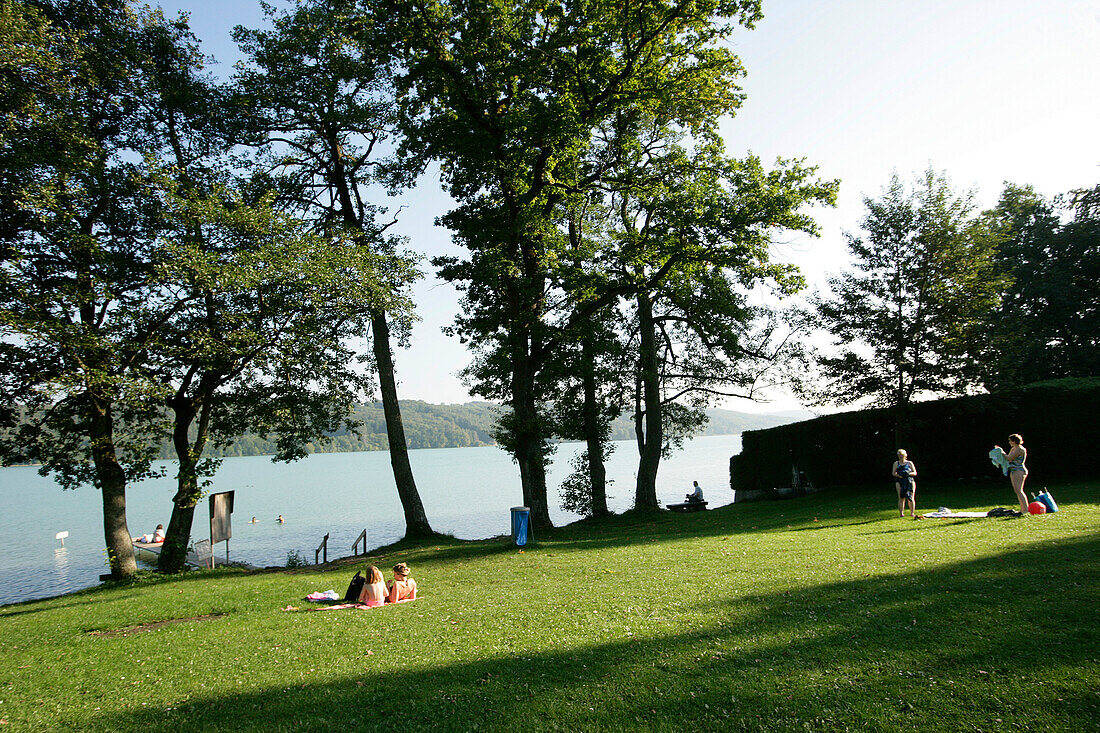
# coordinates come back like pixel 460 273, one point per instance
pixel 908 318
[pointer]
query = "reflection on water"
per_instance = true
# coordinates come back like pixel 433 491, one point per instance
pixel 467 492
pixel 61 564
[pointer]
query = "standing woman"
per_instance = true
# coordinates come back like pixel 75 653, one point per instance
pixel 904 471
pixel 1017 471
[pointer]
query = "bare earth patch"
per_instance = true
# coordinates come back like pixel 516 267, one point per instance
pixel 154 625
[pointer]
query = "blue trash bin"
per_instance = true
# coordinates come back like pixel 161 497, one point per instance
pixel 521 522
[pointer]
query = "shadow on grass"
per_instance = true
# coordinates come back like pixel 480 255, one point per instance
pixel 873 653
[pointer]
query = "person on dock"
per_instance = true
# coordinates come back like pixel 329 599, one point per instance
pixel 374 589
pixel 152 539
pixel 1017 471
pixel 403 588
pixel 696 494
pixel 903 472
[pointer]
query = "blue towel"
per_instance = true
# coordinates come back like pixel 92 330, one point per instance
pixel 999 459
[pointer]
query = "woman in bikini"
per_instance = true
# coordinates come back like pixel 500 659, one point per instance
pixel 374 590
pixel 1017 471
pixel 403 588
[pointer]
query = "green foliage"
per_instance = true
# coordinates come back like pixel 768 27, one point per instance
pixel 576 489
pixel 825 614
pixel 294 559
pixel 908 318
pixel 950 439
pixel 1048 323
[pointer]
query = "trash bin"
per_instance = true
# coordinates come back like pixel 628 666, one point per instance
pixel 521 521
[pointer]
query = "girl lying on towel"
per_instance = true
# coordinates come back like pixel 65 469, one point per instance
pixel 403 588
pixel 374 590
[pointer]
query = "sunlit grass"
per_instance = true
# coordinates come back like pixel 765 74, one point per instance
pixel 823 613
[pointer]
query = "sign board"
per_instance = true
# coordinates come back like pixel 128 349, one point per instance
pixel 221 507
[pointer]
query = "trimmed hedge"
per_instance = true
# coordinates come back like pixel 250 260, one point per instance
pixel 951 439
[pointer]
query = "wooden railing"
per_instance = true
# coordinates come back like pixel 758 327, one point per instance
pixel 322 548
pixel 361 538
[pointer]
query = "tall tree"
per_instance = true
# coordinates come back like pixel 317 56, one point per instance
pixel 263 346
pixel 908 316
pixel 79 297
pixel 1047 323
pixel 323 91
pixel 690 244
pixel 507 97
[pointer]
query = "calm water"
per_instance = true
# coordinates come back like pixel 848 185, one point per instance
pixel 467 492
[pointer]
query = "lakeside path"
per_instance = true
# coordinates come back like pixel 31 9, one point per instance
pixel 825 613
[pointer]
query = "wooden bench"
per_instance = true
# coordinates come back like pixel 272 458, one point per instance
pixel 688 506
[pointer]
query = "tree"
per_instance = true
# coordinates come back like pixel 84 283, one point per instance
pixel 689 244
pixel 263 346
pixel 79 298
pixel 908 316
pixel 507 97
pixel 1046 325
pixel 324 94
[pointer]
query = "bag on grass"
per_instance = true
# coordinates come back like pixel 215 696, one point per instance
pixel 355 587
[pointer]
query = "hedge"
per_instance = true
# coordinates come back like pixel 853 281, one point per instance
pixel 950 439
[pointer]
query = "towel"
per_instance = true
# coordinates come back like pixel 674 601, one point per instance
pixel 999 459
pixel 945 513
pixel 328 595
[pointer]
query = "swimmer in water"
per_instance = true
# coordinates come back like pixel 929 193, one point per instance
pixel 253 520
pixel 280 520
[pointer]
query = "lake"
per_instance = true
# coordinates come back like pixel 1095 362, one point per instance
pixel 467 492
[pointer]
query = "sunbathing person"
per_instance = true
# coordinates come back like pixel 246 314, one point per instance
pixel 152 539
pixel 374 589
pixel 403 588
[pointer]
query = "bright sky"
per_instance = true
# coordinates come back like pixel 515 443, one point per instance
pixel 986 90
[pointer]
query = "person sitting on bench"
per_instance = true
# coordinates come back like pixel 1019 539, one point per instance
pixel 697 494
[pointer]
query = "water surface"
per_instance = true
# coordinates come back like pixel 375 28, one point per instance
pixel 466 492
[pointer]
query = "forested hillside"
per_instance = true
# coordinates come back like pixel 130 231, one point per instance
pixel 469 424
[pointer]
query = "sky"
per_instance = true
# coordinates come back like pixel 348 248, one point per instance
pixel 986 91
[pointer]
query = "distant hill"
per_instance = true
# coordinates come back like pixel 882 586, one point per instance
pixel 470 424
pixel 722 422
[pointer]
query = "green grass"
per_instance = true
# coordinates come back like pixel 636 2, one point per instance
pixel 825 613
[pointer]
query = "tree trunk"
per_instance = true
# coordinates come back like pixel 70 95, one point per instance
pixel 901 424
pixel 529 452
pixel 649 448
pixel 112 484
pixel 173 554
pixel 416 521
pixel 597 473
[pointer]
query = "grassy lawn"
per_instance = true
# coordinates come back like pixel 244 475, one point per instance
pixel 826 613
